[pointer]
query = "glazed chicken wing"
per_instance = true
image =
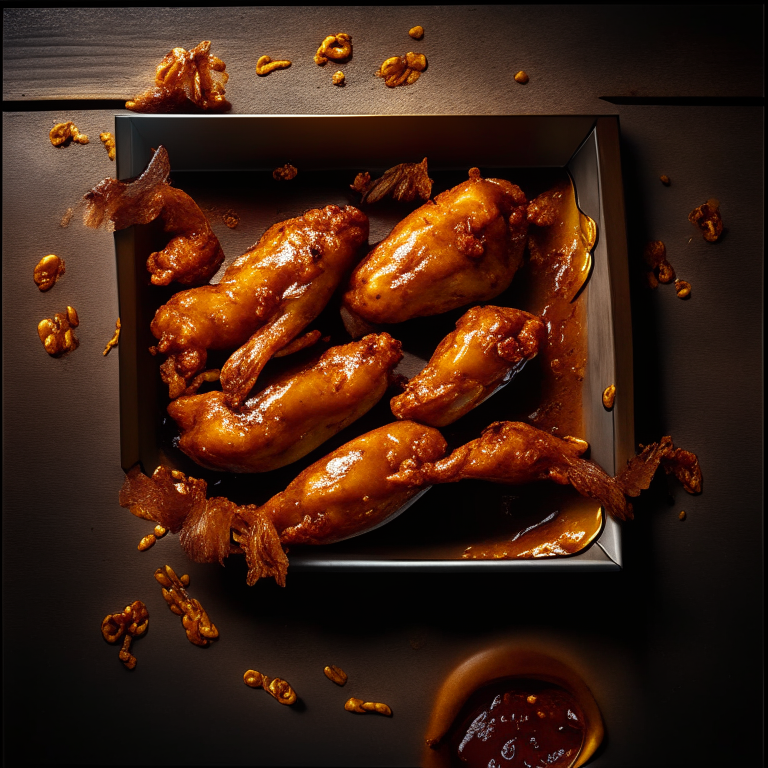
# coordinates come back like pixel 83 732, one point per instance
pixel 263 301
pixel 346 493
pixel 516 454
pixel 193 255
pixel 489 346
pixel 293 415
pixel 462 247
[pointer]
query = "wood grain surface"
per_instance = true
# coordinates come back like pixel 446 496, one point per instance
pixel 672 646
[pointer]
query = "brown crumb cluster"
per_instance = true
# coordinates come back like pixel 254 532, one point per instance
pixel 683 289
pixel 108 140
pixel 707 218
pixel 416 32
pixel 522 77
pixel 47 271
pixel 231 219
pixel 403 183
pixel 285 172
pixel 132 622
pixel 665 180
pixel 338 78
pixel 682 515
pixel 335 674
pixel 57 333
pixel 265 65
pixel 276 687
pixel 200 630
pixel 660 270
pixel 183 80
pixel 336 47
pixel 62 134
pixel 364 707
pixel 402 70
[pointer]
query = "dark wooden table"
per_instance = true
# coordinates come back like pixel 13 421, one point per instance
pixel 672 645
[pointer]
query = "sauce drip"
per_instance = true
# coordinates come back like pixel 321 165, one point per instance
pixel 521 725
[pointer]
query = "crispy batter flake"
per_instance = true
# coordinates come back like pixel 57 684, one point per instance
pixel 47 271
pixel 62 134
pixel 707 218
pixel 108 140
pixel 402 183
pixel 265 65
pixel 336 47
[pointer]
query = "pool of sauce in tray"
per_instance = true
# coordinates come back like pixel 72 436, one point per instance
pixel 519 724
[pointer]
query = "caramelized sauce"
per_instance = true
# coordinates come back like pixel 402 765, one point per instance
pixel 520 724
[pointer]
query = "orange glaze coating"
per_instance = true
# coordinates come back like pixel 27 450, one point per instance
pixel 462 247
pixel 293 415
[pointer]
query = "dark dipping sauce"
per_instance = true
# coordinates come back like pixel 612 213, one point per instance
pixel 520 724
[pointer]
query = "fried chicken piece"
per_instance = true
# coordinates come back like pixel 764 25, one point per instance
pixel 263 301
pixel 515 453
pixel 193 255
pixel 462 247
pixel 348 492
pixel 489 346
pixel 293 415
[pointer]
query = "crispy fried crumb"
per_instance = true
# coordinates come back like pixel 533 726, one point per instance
pixel 402 70
pixel 416 32
pixel 336 674
pixel 62 134
pixel 285 172
pixel 66 218
pixel 130 623
pixel 655 256
pixel 113 342
pixel 276 687
pixel 183 79
pixel 683 289
pixel 336 47
pixel 230 218
pixel 609 397
pixel 682 515
pixel 338 78
pixel 108 140
pixel 199 628
pixel 47 271
pixel 707 218
pixel 57 333
pixel 363 707
pixel 265 65
pixel 522 77
pixel 403 183
pixel 147 542
pixel 665 180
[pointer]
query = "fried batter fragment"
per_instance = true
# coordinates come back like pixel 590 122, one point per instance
pixel 285 172
pixel 522 77
pixel 57 333
pixel 131 623
pixel 199 628
pixel 264 300
pixel 265 65
pixel 515 453
pixel 63 133
pixel 276 687
pixel 293 415
pixel 402 70
pixel 47 271
pixel 186 80
pixel 108 140
pixel 193 255
pixel 489 346
pixel 707 218
pixel 416 32
pixel 655 256
pixel 113 342
pixel 335 674
pixel 335 47
pixel 363 707
pixel 639 472
pixel 338 78
pixel 462 247
pixel 402 183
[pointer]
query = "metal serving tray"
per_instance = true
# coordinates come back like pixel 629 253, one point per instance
pixel 225 163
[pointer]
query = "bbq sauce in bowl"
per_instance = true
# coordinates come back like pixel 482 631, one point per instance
pixel 519 724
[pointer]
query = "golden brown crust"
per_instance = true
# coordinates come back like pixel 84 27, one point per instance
pixel 462 247
pixel 490 344
pixel 293 415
